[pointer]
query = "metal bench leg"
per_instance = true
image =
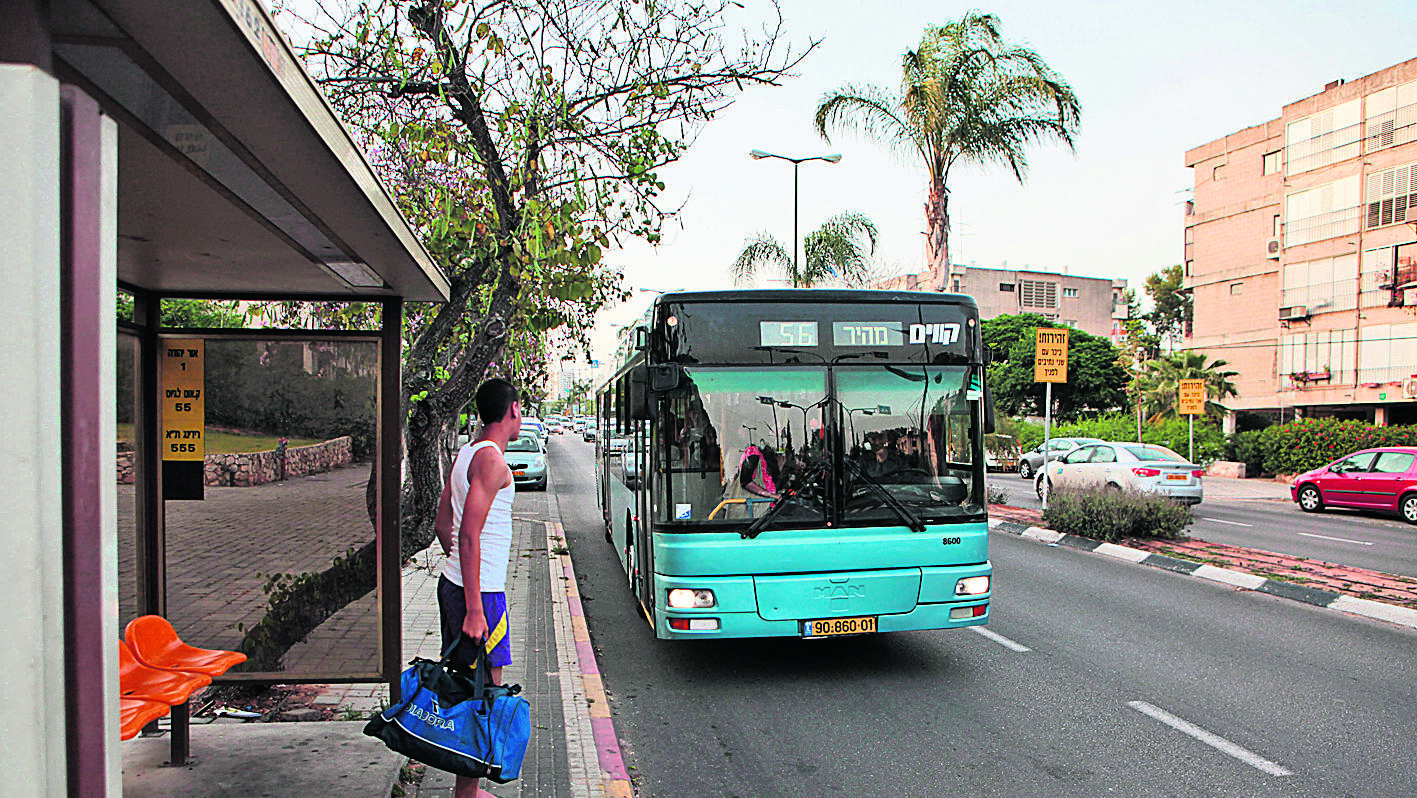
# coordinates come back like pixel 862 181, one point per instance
pixel 181 733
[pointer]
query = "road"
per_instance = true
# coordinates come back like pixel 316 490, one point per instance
pixel 1097 677
pixel 1347 537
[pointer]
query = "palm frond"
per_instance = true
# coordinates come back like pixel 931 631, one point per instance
pixel 759 251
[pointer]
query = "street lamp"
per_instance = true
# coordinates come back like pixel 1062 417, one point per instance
pixel 758 155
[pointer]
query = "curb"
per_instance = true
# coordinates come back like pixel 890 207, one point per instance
pixel 593 748
pixel 1375 610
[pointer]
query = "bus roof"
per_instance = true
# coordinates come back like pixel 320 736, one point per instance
pixel 817 295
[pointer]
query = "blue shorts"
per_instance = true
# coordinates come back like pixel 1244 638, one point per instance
pixel 452 607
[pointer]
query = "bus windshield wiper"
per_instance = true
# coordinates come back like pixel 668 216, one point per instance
pixel 892 503
pixel 791 495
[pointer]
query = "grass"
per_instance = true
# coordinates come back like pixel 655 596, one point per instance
pixel 233 442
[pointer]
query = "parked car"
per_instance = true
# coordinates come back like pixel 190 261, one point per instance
pixel 535 425
pixel 526 456
pixel 590 433
pixel 1141 467
pixel 630 463
pixel 1374 479
pixel 617 444
pixel 1057 447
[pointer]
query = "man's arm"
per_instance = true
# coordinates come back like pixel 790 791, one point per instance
pixel 486 476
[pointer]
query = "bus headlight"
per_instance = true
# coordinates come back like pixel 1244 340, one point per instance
pixel 972 586
pixel 685 599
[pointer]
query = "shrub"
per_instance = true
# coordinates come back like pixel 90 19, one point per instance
pixel 1308 443
pixel 1115 515
pixel 1172 433
pixel 1248 448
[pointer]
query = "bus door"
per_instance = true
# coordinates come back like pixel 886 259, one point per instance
pixel 642 572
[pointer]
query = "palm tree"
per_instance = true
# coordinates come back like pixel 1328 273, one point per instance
pixel 1161 380
pixel 834 251
pixel 967 96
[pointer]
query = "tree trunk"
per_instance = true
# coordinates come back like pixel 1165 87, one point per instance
pixel 937 235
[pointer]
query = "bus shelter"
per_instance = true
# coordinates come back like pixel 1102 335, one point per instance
pixel 160 150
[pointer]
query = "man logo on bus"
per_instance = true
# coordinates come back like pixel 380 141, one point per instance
pixel 934 333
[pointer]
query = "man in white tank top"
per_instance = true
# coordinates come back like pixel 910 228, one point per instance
pixel 475 527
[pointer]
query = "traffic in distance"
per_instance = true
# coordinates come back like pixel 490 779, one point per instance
pixel 799 463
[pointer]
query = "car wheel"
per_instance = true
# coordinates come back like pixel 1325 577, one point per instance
pixel 1409 508
pixel 1113 487
pixel 1311 501
pixel 1025 470
pixel 1039 488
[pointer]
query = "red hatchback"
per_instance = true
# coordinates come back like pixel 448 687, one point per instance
pixel 1373 479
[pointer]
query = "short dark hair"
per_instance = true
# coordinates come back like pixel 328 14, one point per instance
pixel 494 398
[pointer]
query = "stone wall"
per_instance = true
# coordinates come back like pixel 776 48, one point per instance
pixel 259 468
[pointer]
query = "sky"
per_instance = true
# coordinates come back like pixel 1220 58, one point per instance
pixel 1154 80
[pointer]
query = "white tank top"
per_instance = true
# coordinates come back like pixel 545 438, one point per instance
pixel 496 533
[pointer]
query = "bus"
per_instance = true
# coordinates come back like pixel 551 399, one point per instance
pixel 799 463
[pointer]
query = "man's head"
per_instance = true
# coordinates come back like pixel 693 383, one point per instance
pixel 497 402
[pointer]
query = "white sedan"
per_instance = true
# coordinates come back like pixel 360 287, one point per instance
pixel 1140 467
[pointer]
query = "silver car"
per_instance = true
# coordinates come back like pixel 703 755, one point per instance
pixel 526 456
pixel 1139 467
pixel 1029 463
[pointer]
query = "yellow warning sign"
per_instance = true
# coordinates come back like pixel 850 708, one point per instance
pixel 1050 355
pixel 183 401
pixel 1192 398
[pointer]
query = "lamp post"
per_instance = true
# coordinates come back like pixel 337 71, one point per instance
pixel 758 155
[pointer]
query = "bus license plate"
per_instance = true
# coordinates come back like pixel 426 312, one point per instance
pixel 832 627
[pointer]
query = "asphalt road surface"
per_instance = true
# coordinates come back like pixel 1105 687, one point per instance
pixel 1095 677
pixel 1348 537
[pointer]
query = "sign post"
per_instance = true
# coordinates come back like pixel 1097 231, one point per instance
pixel 1191 403
pixel 1050 365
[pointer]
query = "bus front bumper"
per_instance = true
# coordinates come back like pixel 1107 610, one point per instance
pixel 742 607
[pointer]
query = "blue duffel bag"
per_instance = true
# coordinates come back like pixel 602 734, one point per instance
pixel 451 719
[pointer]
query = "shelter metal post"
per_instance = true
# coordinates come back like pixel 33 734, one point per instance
pixel 389 533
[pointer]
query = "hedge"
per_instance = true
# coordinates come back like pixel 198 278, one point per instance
pixel 1173 434
pixel 1112 515
pixel 1306 444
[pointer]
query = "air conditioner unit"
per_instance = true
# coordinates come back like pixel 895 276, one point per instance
pixel 1272 246
pixel 1409 388
pixel 1295 313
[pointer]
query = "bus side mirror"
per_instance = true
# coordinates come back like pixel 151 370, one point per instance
pixel 988 356
pixel 664 377
pixel 638 393
pixel 641 338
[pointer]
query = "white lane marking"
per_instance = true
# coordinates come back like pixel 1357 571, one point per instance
pixel 1223 521
pixel 1000 639
pixel 1340 540
pixel 1215 741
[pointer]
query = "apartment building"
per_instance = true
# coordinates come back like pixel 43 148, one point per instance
pixel 1093 304
pixel 1301 253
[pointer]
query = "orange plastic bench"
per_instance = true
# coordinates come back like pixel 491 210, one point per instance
pixel 156 644
pixel 136 680
pixel 137 713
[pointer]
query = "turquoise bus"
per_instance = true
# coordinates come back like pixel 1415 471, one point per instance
pixel 799 463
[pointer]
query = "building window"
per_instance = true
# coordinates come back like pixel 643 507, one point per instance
pixel 1070 322
pixel 1270 163
pixel 1332 209
pixel 1070 293
pixel 1188 268
pixel 1387 352
pixel 1392 117
pixel 1237 289
pixel 1329 136
pixel 1388 273
pixel 1392 196
pixel 1321 285
pixel 1007 288
pixel 1315 353
pixel 1278 230
pixel 1038 294
pixel 1218 173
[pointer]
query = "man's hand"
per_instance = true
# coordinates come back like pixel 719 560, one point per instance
pixel 475 626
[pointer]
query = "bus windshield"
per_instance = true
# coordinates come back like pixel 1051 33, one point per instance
pixel 737 439
pixel 910 431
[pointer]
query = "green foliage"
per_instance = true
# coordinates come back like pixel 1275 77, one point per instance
pixel 1172 433
pixel 1171 314
pixel 1097 382
pixel 1306 444
pixel 839 250
pixel 1110 515
pixel 1160 383
pixel 265 386
pixel 1247 447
